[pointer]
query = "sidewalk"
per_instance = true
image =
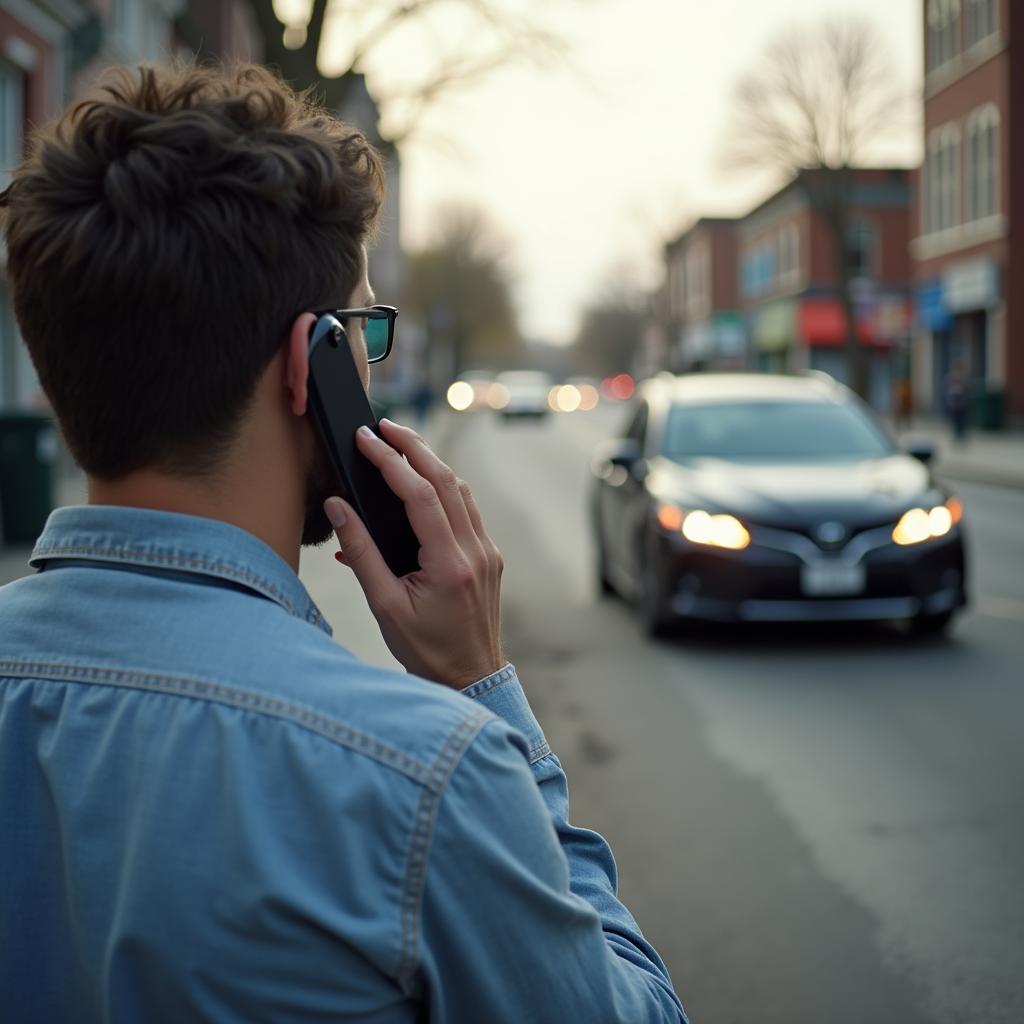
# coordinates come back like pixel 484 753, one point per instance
pixel 983 457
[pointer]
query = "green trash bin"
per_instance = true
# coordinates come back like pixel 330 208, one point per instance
pixel 988 410
pixel 28 455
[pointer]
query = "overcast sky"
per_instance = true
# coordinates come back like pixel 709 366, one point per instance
pixel 588 165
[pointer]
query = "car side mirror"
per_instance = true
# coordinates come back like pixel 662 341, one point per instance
pixel 620 455
pixel 923 451
pixel 625 453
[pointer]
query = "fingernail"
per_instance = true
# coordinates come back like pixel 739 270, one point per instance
pixel 335 512
pixel 367 432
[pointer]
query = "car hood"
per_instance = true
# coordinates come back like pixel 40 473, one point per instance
pixel 858 493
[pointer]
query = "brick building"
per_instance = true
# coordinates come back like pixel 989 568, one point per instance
pixel 787 271
pixel 969 281
pixel 702 321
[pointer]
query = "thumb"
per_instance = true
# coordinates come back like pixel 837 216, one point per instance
pixel 361 553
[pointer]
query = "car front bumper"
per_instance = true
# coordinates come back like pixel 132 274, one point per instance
pixel 765 583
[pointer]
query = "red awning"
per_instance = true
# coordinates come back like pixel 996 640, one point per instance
pixel 822 322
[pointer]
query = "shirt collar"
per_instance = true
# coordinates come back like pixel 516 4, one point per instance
pixel 155 539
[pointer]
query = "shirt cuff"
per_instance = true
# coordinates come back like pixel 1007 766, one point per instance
pixel 502 694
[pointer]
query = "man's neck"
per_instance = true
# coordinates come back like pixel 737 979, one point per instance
pixel 264 515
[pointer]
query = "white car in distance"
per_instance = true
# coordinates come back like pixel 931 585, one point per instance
pixel 521 393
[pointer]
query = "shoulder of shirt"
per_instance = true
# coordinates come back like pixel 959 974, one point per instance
pixel 260 659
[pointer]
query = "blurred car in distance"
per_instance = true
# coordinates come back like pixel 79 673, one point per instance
pixel 521 393
pixel 578 394
pixel 619 387
pixel 744 498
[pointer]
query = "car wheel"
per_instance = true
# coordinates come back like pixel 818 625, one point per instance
pixel 656 617
pixel 930 625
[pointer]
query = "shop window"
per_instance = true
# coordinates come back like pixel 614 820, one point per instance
pixel 942 34
pixel 980 20
pixel 981 198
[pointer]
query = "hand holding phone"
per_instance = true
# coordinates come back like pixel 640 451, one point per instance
pixel 444 621
pixel 339 407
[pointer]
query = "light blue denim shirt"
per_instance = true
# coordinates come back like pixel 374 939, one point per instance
pixel 211 811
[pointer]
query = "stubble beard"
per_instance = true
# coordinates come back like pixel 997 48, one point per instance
pixel 321 483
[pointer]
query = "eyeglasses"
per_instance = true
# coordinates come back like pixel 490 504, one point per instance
pixel 378 327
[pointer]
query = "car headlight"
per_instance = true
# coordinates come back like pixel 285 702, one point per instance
pixel 700 527
pixel 917 525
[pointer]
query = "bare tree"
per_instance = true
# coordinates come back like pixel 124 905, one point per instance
pixel 492 33
pixel 820 100
pixel 461 288
pixel 612 325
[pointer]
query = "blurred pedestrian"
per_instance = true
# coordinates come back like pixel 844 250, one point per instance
pixel 213 811
pixel 956 400
pixel 422 401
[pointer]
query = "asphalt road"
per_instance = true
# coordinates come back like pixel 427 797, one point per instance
pixel 811 824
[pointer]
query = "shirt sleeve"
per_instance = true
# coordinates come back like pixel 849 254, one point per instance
pixel 519 919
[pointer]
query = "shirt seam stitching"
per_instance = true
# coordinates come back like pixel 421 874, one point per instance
pixel 422 833
pixel 538 751
pixel 127 555
pixel 315 722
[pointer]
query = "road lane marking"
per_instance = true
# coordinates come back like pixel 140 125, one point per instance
pixel 1001 608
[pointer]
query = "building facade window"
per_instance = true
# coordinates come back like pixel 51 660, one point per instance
pixel 981 196
pixel 942 36
pixel 981 20
pixel 676 284
pixel 860 249
pixel 942 179
pixel 789 252
pixel 758 269
pixel 698 282
pixel 12 120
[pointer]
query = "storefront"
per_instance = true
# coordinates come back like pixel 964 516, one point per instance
pixel 881 327
pixel 773 329
pixel 962 316
pixel 715 344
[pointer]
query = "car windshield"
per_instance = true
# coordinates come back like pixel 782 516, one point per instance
pixel 763 430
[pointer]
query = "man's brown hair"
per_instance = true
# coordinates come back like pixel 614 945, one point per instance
pixel 162 236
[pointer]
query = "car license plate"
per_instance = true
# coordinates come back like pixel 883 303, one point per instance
pixel 826 580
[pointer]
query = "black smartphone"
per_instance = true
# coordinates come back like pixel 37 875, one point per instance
pixel 339 407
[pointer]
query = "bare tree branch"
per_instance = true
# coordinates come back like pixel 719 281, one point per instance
pixel 818 99
pixel 500 36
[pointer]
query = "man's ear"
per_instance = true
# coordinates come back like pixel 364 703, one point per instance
pixel 297 362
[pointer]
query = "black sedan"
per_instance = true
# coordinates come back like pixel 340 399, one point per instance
pixel 763 498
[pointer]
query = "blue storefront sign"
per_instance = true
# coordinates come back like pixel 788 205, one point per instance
pixel 932 311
